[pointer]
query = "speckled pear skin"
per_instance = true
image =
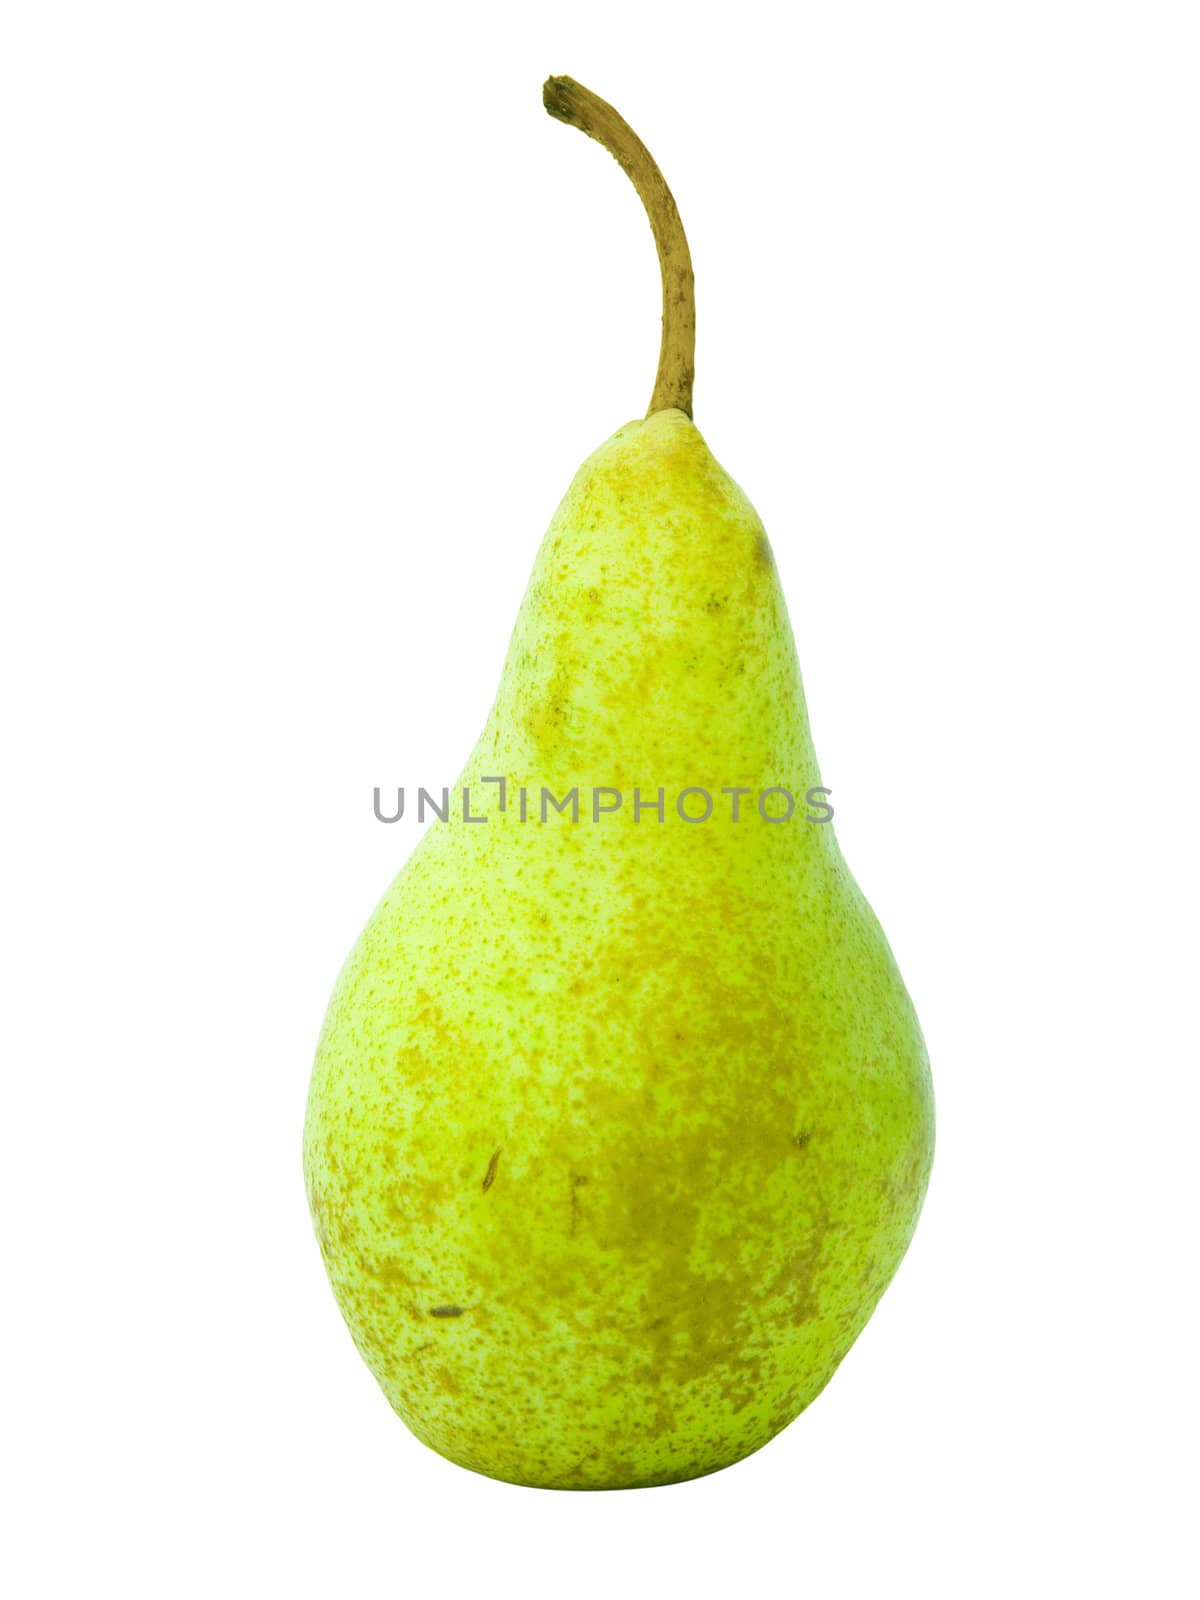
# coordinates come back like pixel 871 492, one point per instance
pixel 618 1130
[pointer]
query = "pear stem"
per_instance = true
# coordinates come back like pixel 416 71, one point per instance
pixel 571 102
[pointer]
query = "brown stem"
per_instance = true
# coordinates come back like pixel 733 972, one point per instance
pixel 571 102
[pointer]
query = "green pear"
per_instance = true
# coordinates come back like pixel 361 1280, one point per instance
pixel 621 1118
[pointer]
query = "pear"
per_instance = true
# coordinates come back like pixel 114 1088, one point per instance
pixel 621 1118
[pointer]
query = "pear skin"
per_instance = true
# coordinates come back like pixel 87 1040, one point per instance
pixel 619 1127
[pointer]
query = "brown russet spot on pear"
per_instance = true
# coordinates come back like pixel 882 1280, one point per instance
pixel 618 1129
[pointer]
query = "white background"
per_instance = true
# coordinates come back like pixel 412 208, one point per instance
pixel 308 315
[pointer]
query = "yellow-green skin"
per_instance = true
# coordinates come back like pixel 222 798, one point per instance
pixel 618 1130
